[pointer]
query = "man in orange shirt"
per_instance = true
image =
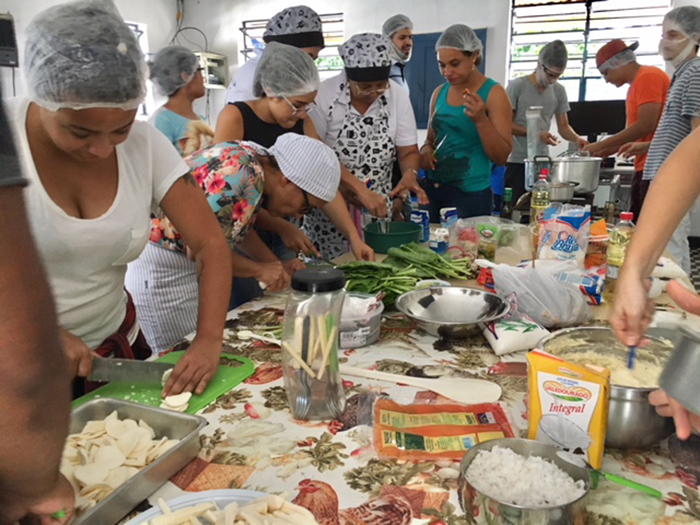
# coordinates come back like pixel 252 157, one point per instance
pixel 645 102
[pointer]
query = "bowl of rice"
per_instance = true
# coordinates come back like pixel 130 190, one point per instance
pixel 521 482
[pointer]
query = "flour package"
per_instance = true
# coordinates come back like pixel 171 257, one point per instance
pixel 564 233
pixel 514 332
pixel 568 405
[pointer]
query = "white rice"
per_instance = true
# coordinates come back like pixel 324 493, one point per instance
pixel 531 482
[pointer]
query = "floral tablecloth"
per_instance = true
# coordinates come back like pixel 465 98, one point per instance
pixel 252 442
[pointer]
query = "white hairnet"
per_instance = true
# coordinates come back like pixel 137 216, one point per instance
pixel 621 59
pixel 82 55
pixel 460 37
pixel 308 163
pixel 285 71
pixel 686 19
pixel 554 55
pixel 395 24
pixel 173 67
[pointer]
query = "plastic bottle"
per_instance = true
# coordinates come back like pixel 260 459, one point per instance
pixel 540 197
pixel 507 209
pixel 620 238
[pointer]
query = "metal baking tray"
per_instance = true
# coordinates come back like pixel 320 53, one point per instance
pixel 165 423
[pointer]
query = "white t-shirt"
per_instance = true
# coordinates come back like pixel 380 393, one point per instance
pixel 402 121
pixel 241 87
pixel 86 258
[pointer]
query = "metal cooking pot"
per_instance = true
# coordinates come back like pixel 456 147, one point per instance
pixel 483 509
pixel 632 421
pixel 570 167
pixel 562 191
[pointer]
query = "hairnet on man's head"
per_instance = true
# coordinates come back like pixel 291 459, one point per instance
pixel 554 55
pixel 687 20
pixel 460 37
pixel 173 67
pixel 395 24
pixel 285 71
pixel 82 55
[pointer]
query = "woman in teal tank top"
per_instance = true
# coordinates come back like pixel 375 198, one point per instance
pixel 470 128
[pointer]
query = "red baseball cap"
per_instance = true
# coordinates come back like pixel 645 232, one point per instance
pixel 611 49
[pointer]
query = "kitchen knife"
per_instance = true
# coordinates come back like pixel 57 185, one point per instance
pixel 128 370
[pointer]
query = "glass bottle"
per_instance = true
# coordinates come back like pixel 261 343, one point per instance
pixel 507 209
pixel 310 344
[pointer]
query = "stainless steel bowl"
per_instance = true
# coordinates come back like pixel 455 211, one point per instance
pixel 632 421
pixel 451 312
pixel 485 509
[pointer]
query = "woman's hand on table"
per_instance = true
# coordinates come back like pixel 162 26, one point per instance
pixel 361 251
pixel 686 422
pixel 427 157
pixel 297 241
pixel 274 275
pixel 196 367
pixel 78 353
pixel 373 202
pixel 59 501
pixel 632 310
pixel 292 266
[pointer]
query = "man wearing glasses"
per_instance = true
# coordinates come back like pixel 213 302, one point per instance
pixel 646 97
pixel 539 88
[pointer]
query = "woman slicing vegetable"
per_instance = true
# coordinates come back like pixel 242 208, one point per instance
pixel 470 127
pixel 368 121
pixel 97 174
pixel 286 84
pixel 291 178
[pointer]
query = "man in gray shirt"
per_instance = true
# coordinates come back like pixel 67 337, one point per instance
pixel 681 115
pixel 539 88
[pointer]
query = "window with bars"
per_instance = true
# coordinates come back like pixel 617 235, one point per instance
pixel 329 62
pixel 584 26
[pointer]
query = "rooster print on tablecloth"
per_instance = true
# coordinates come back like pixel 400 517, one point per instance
pixel 321 499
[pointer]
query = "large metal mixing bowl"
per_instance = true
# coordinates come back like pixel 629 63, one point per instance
pixel 451 312
pixel 489 510
pixel 632 421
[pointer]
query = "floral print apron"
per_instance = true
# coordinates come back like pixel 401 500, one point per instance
pixel 365 147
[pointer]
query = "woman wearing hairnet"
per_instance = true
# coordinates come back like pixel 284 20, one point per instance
pixel 292 177
pixel 368 120
pixel 399 29
pixel 286 85
pixel 539 88
pixel 470 127
pixel 97 174
pixel 298 26
pixel 176 73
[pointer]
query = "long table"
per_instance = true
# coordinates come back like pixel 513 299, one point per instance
pixel 252 442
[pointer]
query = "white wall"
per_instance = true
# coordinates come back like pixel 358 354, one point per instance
pixel 158 15
pixel 221 20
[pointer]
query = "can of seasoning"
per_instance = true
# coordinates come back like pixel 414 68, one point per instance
pixel 439 240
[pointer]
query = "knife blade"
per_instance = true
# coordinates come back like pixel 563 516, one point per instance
pixel 128 370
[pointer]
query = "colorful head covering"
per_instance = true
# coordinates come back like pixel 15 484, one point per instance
pixel 298 26
pixel 367 57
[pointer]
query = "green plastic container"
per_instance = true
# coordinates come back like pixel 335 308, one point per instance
pixel 398 234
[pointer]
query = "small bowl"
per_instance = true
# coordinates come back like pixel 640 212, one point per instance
pixel 486 509
pixel 397 234
pixel 452 312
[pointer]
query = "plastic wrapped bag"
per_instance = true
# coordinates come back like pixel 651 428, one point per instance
pixel 550 302
pixel 481 237
pixel 513 333
pixel 564 233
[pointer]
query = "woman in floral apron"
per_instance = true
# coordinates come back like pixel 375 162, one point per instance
pixel 368 120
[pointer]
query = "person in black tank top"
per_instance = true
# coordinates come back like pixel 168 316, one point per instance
pixel 264 133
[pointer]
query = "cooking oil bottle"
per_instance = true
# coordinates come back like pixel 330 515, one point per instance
pixel 540 197
pixel 620 238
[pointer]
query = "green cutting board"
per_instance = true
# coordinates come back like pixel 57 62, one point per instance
pixel 226 379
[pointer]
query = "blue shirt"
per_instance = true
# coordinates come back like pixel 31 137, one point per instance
pixel 461 159
pixel 171 125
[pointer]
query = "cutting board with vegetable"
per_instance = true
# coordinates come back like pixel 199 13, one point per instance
pixel 227 377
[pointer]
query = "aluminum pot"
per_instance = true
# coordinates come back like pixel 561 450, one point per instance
pixel 562 191
pixel 480 508
pixel 571 167
pixel 632 421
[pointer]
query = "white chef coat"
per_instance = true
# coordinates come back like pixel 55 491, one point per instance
pixel 329 121
pixel 241 87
